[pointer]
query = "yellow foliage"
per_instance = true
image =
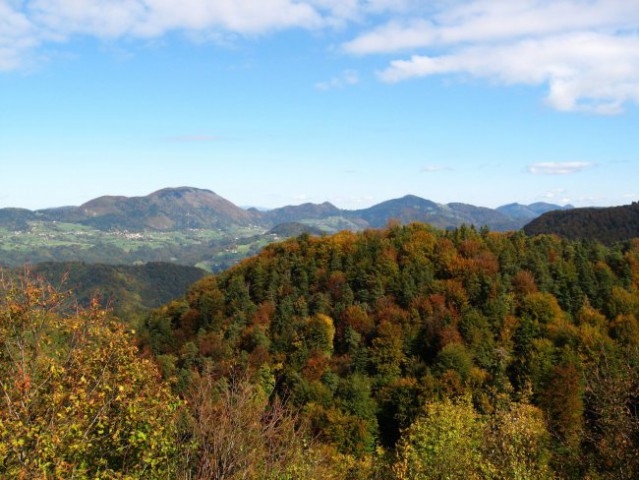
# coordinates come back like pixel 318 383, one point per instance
pixel 76 400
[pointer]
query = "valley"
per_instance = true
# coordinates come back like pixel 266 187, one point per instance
pixel 210 249
pixel 196 227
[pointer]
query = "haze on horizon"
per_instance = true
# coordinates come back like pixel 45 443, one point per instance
pixel 354 102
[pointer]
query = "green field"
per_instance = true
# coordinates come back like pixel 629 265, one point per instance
pixel 54 241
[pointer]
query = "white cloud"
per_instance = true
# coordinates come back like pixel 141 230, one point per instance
pixel 587 72
pixel 493 21
pixel 556 195
pixel 558 168
pixel 585 51
pixel 115 18
pixel 347 78
pixel 17 36
pixel 357 10
pixel 392 37
pixel 26 25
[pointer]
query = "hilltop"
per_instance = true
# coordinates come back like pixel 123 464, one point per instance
pixel 607 225
pixel 166 209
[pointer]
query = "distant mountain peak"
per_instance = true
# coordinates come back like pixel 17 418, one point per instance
pixel 528 212
pixel 412 197
pixel 179 191
pixel 165 209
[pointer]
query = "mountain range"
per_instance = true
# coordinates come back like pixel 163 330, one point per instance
pixel 172 209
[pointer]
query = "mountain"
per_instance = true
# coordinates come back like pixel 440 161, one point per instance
pixel 407 209
pixel 167 209
pixel 16 218
pixel 294 229
pixel 480 216
pixel 608 225
pixel 411 208
pixel 306 211
pixel 528 212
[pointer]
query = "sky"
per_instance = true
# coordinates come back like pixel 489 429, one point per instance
pixel 277 102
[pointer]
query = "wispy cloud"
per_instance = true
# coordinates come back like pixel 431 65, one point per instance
pixel 150 18
pixel 586 53
pixel 27 25
pixel 558 168
pixel 346 79
pixel 17 37
pixel 434 168
pixel 555 194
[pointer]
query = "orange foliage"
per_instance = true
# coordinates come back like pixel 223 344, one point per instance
pixel 449 334
pixel 315 367
pixel 524 283
pixel 356 317
pixel 264 314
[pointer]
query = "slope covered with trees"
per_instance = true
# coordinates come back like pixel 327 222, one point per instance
pixel 426 354
pixel 129 290
pixel 607 225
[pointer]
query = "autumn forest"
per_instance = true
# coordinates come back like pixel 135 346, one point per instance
pixel 402 353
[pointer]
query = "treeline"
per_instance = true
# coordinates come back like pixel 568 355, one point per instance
pixel 525 346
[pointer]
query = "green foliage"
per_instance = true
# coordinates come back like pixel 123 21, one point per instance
pixel 452 441
pixel 365 332
pixel 444 444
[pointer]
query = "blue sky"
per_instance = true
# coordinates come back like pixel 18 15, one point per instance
pixel 282 102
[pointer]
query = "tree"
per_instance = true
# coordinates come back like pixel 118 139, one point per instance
pixel 517 443
pixel 239 434
pixel 76 400
pixel 452 441
pixel 444 444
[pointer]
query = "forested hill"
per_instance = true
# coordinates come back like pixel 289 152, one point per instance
pixel 523 349
pixel 128 289
pixel 607 225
